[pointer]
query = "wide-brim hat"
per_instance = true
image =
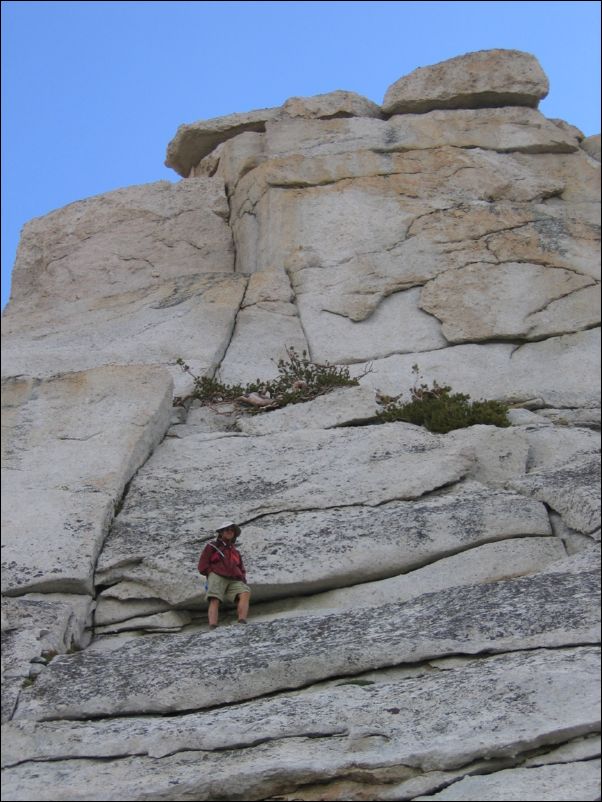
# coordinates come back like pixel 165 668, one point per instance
pixel 229 525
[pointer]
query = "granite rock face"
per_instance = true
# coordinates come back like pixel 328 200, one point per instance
pixel 425 607
pixel 71 445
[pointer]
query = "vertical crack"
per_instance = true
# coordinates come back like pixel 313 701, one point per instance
pixel 229 224
pixel 299 316
pixel 216 369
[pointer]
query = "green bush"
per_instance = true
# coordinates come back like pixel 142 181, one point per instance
pixel 440 410
pixel 299 379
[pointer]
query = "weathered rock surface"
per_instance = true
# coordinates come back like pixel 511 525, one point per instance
pixel 499 454
pixel 397 325
pixel 579 749
pixel 111 611
pixel 373 236
pixel 483 78
pixel 503 371
pixel 72 443
pixel 464 300
pixel 193 141
pixel 422 686
pixel 170 621
pixel 457 241
pixel 341 199
pixel 341 407
pixel 510 129
pixel 532 783
pixel 397 725
pixel 573 417
pixel 573 490
pixel 332 104
pixel 150 326
pixel 267 325
pixel 38 611
pixel 35 627
pixel 126 278
pixel 591 145
pixel 546 610
pixel 187 484
pixel 552 446
pixel 124 240
pixel 486 563
pixel 354 544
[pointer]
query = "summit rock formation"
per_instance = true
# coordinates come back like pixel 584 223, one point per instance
pixel 425 615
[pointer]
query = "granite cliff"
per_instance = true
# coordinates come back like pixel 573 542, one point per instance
pixel 425 612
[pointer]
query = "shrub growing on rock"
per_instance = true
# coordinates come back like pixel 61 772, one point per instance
pixel 440 410
pixel 299 379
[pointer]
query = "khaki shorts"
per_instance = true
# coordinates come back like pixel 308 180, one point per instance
pixel 223 587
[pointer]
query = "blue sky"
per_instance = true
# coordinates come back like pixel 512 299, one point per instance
pixel 92 92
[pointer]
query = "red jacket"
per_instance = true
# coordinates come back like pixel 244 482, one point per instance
pixel 222 558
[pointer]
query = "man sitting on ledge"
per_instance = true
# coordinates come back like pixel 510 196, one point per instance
pixel 222 564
